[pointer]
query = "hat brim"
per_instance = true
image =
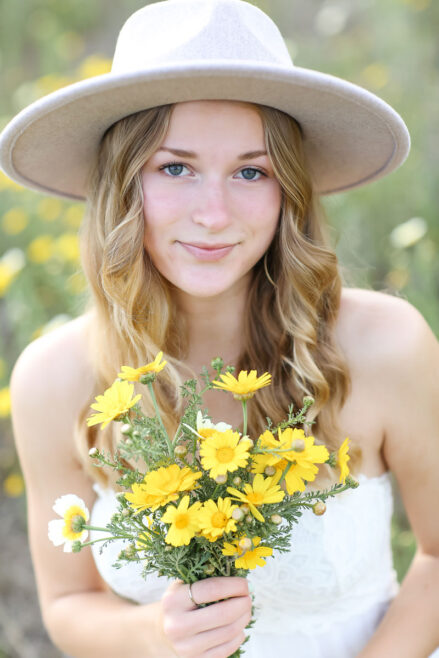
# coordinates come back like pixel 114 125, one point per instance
pixel 351 136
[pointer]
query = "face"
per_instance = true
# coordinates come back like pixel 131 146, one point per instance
pixel 211 211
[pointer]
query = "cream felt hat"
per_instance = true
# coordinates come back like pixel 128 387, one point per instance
pixel 181 50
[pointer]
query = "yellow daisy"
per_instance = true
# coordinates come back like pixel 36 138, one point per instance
pixel 134 374
pixel 162 486
pixel 250 559
pixel 184 522
pixel 70 527
pixel 301 462
pixel 342 460
pixel 222 452
pixel 216 518
pixel 115 401
pixel 245 386
pixel 260 492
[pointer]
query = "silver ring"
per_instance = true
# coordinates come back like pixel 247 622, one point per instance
pixel 192 598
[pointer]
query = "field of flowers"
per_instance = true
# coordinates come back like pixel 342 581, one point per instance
pixel 387 234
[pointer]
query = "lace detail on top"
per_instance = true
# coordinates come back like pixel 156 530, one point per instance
pixel 339 566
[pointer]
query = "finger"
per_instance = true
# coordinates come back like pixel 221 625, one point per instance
pixel 202 643
pixel 221 613
pixel 219 588
pixel 204 591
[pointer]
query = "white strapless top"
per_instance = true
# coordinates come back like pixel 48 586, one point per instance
pixel 322 599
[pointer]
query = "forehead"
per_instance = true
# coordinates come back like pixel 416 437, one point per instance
pixel 201 119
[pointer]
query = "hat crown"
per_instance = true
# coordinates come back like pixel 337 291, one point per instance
pixel 183 31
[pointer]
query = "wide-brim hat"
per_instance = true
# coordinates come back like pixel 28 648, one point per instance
pixel 183 50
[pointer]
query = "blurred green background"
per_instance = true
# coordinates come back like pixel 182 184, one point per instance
pixel 387 233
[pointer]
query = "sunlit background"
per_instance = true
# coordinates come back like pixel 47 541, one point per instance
pixel 387 233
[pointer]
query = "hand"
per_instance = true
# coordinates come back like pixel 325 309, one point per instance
pixel 215 631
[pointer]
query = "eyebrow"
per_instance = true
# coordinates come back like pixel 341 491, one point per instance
pixel 190 154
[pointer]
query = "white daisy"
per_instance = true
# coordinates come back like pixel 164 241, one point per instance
pixel 68 529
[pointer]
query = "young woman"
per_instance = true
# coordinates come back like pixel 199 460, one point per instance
pixel 203 236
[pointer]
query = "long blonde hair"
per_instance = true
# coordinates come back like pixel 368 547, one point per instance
pixel 292 304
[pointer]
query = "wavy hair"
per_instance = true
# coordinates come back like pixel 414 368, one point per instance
pixel 292 305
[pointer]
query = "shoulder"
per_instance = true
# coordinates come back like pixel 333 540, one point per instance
pixel 50 383
pixel 378 328
pixel 55 357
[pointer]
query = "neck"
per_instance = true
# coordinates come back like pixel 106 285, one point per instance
pixel 214 325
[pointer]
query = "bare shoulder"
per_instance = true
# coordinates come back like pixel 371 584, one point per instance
pixel 50 383
pixel 380 328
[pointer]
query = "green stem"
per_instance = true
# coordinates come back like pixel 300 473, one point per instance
pixel 157 411
pixel 244 414
pixel 288 466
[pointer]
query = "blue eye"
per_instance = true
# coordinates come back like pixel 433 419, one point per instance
pixel 174 168
pixel 252 170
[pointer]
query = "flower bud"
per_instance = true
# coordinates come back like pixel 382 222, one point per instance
pixel 298 445
pixel 180 450
pixel 245 544
pixel 127 512
pixel 351 482
pixel 76 546
pixel 319 508
pixel 168 548
pixel 269 470
pixel 121 496
pixel 248 518
pixel 246 440
pixel 209 569
pixel 93 452
pixel 237 514
pixel 221 479
pixel 245 508
pixel 126 428
pixel 308 401
pixel 147 378
pixel 136 434
pixel 237 480
pixel 276 519
pixel 217 363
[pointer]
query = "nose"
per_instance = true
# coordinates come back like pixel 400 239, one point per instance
pixel 211 208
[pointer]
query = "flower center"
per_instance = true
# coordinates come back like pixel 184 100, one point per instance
pixel 219 520
pixel 182 521
pixel 225 454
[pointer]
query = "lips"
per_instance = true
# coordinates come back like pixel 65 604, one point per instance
pixel 207 252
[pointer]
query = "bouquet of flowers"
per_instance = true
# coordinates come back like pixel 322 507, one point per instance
pixel 209 501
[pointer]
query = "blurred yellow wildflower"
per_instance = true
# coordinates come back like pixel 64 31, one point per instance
pixel 40 249
pixel 5 402
pixel 13 485
pixel 51 82
pixel 376 75
pixel 14 221
pixel 73 215
pixel 7 183
pixel 49 209
pixel 66 247
pixel 7 275
pixel 94 65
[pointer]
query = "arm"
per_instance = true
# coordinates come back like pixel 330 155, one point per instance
pixel 410 397
pixel 49 385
